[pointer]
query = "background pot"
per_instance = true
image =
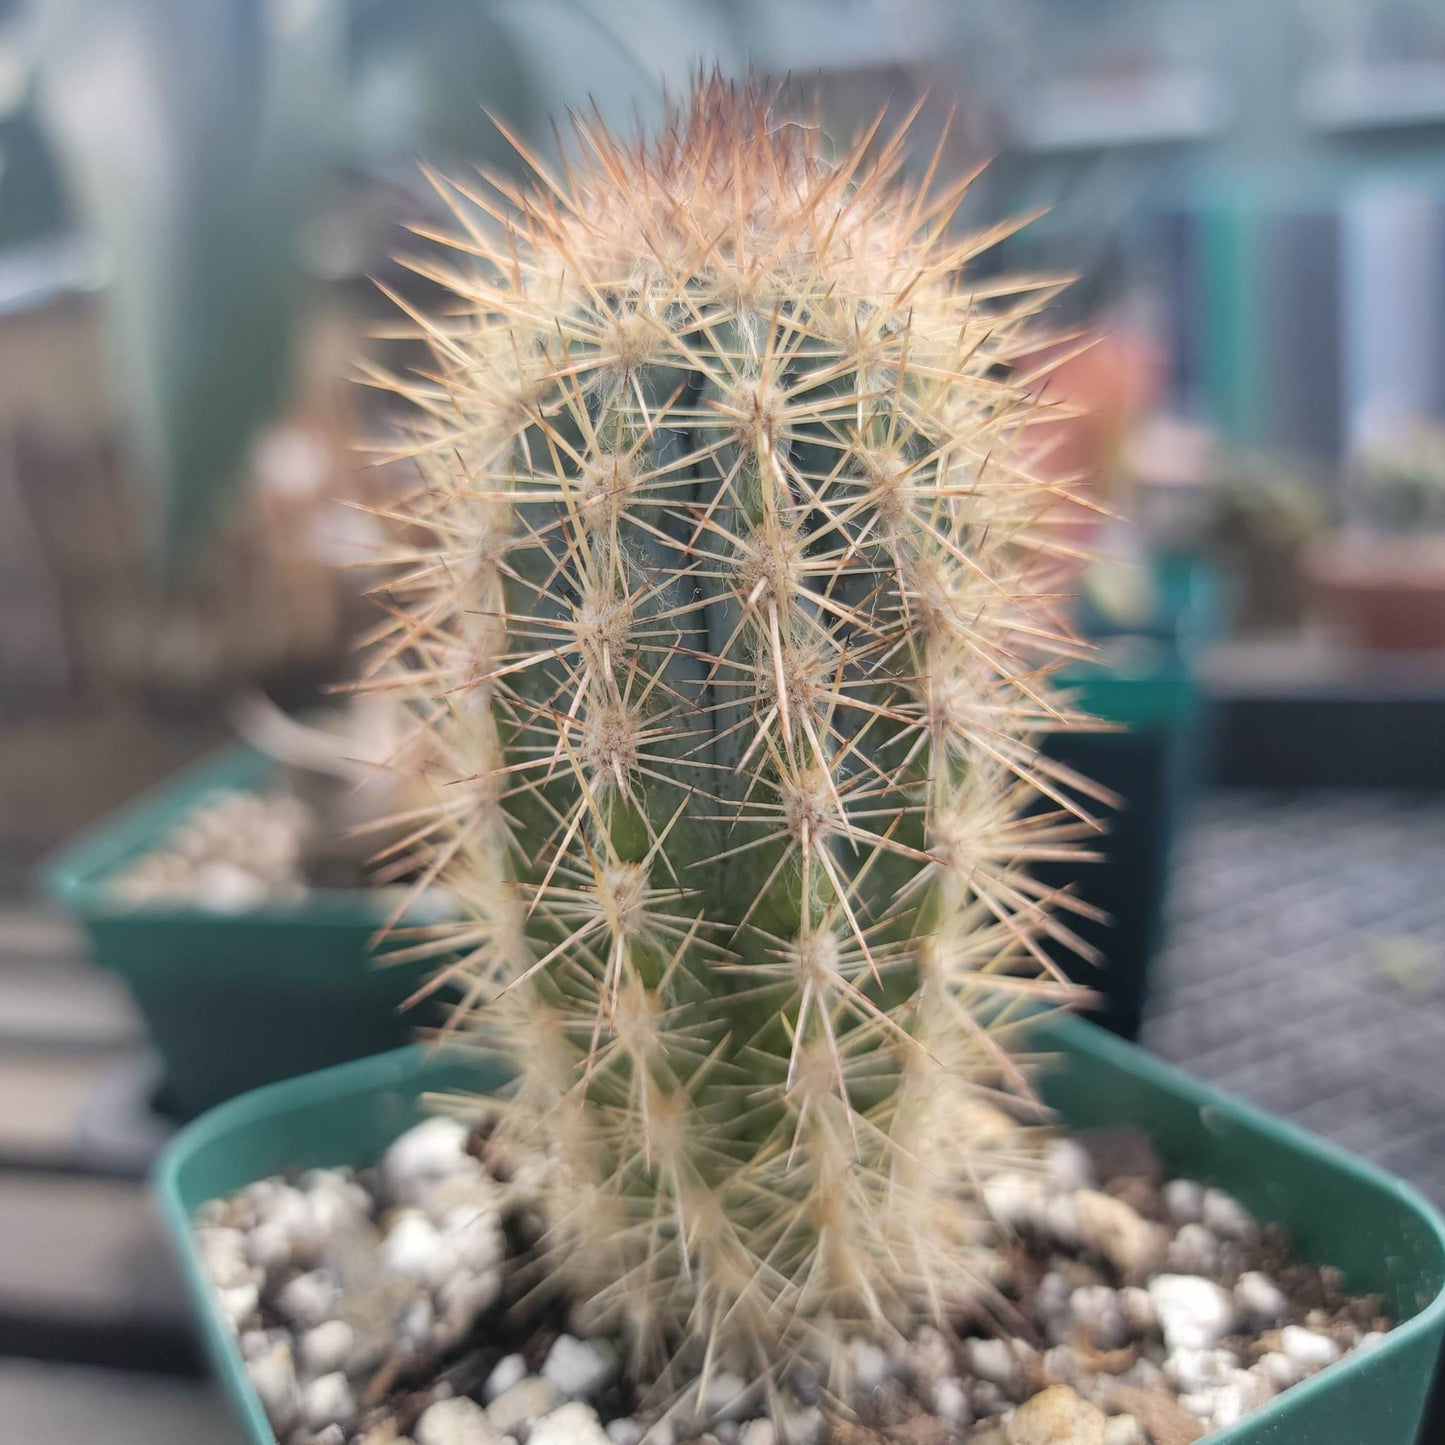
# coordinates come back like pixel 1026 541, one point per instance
pixel 1337 1209
pixel 1145 686
pixel 1380 592
pixel 235 1000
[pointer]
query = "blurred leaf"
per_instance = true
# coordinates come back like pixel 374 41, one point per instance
pixel 196 135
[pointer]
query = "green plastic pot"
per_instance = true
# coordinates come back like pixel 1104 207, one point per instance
pixel 1146 688
pixel 1338 1209
pixel 233 1001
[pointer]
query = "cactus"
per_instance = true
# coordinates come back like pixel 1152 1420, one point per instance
pixel 732 631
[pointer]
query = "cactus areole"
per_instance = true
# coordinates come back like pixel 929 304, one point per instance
pixel 731 632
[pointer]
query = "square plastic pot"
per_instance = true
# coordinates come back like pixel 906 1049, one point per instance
pixel 1152 759
pixel 233 1001
pixel 1338 1210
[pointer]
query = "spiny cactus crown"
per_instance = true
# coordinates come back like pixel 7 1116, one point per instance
pixel 731 635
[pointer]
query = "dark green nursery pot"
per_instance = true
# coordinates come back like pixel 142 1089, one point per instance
pixel 1144 684
pixel 1337 1209
pixel 236 1000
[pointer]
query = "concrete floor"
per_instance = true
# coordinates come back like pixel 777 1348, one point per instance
pixel 1305 967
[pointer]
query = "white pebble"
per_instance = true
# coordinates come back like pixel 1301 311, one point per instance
pixel 1191 1371
pixel 1194 1313
pixel 580 1368
pixel 224 888
pixel 1124 1430
pixel 461 1298
pixel 1062 1364
pixel 1068 1165
pixel 1260 1298
pixel 308 1299
pixel 625 1431
pixel 803 1427
pixel 478 1193
pixel 528 1399
pixel 992 1360
pixel 1013 1199
pixel 1194 1250
pixel 416 1249
pixel 416 1322
pixel 1053 1295
pixel 758 1432
pixel 474 1232
pixel 572 1424
pixel 1137 1309
pixel 987 1398
pixel 1095 1309
pixel 929 1358
pixel 1057 1216
pixel 256 1342
pixel 950 1402
pixel 327 1399
pixel 1201 1406
pixel 510 1370
pixel 327 1347
pixel 869 1364
pixel 239 1304
pixel 273 1377
pixel 457 1421
pixel 1235 1397
pixel 1184 1199
pixel 224 1253
pixel 268 1246
pixel 427 1152
pixel 1277 1369
pixel 1370 1340
pixel 728 1397
pixel 1227 1217
pixel 335 1202
pixel 1110 1228
pixel 1307 1349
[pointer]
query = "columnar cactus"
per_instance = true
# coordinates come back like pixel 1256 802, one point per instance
pixel 732 633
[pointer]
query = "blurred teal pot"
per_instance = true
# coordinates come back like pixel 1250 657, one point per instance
pixel 235 1000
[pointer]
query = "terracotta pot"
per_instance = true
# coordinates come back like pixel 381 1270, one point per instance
pixel 1385 593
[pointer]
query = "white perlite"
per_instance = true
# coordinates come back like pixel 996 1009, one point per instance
pixel 1226 1216
pixel 950 1402
pixel 1194 1313
pixel 572 1424
pixel 510 1370
pixel 327 1400
pixel 428 1152
pixel 1124 1430
pixel 1184 1199
pixel 1260 1299
pixel 580 1368
pixel 1111 1229
pixel 1068 1165
pixel 1307 1349
pixel 273 1376
pixel 528 1399
pixel 454 1422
